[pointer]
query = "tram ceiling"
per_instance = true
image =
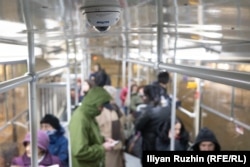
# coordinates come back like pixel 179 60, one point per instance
pixel 61 20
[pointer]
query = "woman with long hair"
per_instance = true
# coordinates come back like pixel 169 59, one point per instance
pixel 164 136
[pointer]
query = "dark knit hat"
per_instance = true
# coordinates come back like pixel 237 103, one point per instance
pixel 52 120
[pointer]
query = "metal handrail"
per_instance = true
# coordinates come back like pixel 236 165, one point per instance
pixel 237 79
pixel 188 113
pixel 10 84
pixel 13 120
pixel 47 71
pixel 49 85
pixel 211 110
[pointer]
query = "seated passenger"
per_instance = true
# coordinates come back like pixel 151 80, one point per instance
pixel 58 145
pixel 181 136
pixel 206 141
pixel 44 157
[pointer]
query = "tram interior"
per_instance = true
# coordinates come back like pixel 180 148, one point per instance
pixel 207 34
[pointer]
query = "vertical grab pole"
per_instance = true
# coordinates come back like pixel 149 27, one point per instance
pixel 68 84
pixel 68 98
pixel 125 38
pixel 124 71
pixel 25 6
pixel 159 31
pixel 197 119
pixel 76 72
pixel 232 98
pixel 84 59
pixel 197 106
pixel 173 109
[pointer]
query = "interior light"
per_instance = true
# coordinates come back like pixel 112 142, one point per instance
pixel 16 51
pixel 223 66
pixel 194 54
pixel 11 29
pixel 50 24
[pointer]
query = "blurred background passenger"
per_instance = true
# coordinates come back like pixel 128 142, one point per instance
pixel 100 77
pixel 86 86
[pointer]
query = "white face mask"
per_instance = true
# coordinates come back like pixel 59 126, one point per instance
pixel 50 132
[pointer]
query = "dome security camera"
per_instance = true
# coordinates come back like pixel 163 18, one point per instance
pixel 103 17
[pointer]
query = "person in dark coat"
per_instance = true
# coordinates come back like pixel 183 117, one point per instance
pixel 150 117
pixel 58 145
pixel 206 141
pixel 164 136
pixel 162 82
pixel 100 77
pixel 44 157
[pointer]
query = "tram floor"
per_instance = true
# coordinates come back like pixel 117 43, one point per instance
pixel 132 161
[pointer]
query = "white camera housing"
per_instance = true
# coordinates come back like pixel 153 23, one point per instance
pixel 102 17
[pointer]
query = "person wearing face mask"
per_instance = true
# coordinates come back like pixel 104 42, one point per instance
pixel 58 145
pixel 44 157
pixel 88 146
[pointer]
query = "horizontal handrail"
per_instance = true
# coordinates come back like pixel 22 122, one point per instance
pixel 51 85
pixel 47 71
pixel 10 84
pixel 236 79
pixel 188 113
pixel 211 110
pixel 9 122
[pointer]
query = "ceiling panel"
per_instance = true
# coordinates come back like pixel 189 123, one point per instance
pixel 201 23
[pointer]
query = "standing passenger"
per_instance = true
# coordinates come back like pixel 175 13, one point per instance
pixel 110 125
pixel 148 121
pixel 58 145
pixel 86 86
pixel 100 76
pixel 87 145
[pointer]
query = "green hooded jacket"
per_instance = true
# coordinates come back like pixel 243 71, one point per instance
pixel 85 137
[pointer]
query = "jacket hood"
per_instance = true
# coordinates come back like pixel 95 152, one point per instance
pixel 42 140
pixel 206 134
pixel 95 98
pixel 111 90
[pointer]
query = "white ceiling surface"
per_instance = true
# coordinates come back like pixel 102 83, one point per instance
pixel 220 26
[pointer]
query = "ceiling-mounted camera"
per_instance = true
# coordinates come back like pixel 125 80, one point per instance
pixel 102 17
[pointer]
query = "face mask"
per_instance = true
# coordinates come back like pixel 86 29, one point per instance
pixel 50 132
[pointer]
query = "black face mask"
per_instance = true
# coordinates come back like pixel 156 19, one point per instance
pixel 108 106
